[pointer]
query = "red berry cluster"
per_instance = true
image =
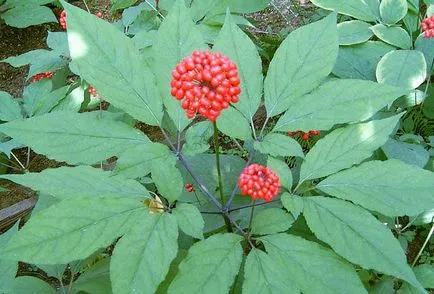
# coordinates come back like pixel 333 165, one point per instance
pixel 189 187
pixel 428 27
pixel 62 19
pixel 305 136
pixel 259 182
pixel 39 76
pixel 207 82
pixel 92 91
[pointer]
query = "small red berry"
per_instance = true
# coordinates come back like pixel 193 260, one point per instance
pixel 99 14
pixel 62 19
pixel 39 76
pixel 259 182
pixel 315 132
pixel 427 26
pixel 305 136
pixel 92 91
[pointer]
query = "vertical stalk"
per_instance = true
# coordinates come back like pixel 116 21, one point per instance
pixel 219 174
pixel 251 216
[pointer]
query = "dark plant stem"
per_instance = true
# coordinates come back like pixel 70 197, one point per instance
pixel 250 205
pixel 234 191
pixel 237 226
pixel 219 173
pixel 251 216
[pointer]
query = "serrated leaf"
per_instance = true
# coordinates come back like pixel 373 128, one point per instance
pixel 96 279
pixel 56 135
pixel 360 61
pixel 414 154
pixel 353 32
pixel 262 274
pixel 189 219
pixel 336 102
pixel 210 266
pixel 176 38
pixel 328 274
pixel 197 137
pixel 9 107
pixel 235 44
pixel 304 59
pixel 292 203
pixel 45 103
pixel 346 146
pixel 392 11
pixel 366 10
pixel 20 17
pixel 72 102
pixel 384 186
pixel 279 145
pixel 73 229
pixel 282 170
pixel 109 61
pixel 271 221
pixel 402 68
pixel 27 284
pixel 142 257
pixel 167 177
pixel 65 182
pixel 8 268
pixel 358 236
pixel 231 117
pixel 395 36
pixel 137 162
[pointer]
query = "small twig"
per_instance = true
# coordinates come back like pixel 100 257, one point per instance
pixel 70 283
pixel 238 144
pixel 237 226
pixel 234 191
pixel 87 7
pixel 250 205
pixel 155 8
pixel 28 157
pixel 10 166
pixel 19 162
pixel 210 212
pixel 263 127
pixel 423 246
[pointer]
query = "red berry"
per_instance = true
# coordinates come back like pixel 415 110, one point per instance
pixel 92 91
pixel 259 182
pixel 206 83
pixel 315 132
pixel 62 19
pixel 427 26
pixel 99 14
pixel 39 76
pixel 305 136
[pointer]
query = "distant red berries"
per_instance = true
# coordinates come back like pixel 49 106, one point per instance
pixel 259 182
pixel 62 19
pixel 99 14
pixel 92 91
pixel 428 27
pixel 189 187
pixel 39 76
pixel 305 136
pixel 207 82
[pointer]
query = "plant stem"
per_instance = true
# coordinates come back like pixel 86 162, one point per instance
pixel 19 162
pixel 423 246
pixel 250 205
pixel 219 174
pixel 251 216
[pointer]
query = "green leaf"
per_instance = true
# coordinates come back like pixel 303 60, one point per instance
pixel 25 16
pixel 142 257
pixel 271 221
pixel 402 68
pixel 119 4
pixel 210 266
pixel 304 59
pixel 44 104
pixel 73 229
pixel 58 41
pixel 327 274
pixel 411 21
pixel 282 170
pixel 197 137
pixel 8 268
pixel 9 107
pixel 74 138
pixel 235 44
pixel 26 284
pixel 279 145
pixel 384 186
pixel 425 46
pixel 34 92
pixel 8 146
pixel 336 102
pixel 262 274
pixel 72 102
pixel 425 275
pixel 395 36
pixel 65 182
pixel 346 146
pixel 95 280
pixel 109 61
pixel 358 236
pixel 177 38
pixel 353 32
pixel 230 118
pixel 167 177
pixel 292 203
pixel 189 219
pixel 27 58
pixel 392 11
pixel 414 154
pixel 360 61
pixel 136 162
pixel 366 10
